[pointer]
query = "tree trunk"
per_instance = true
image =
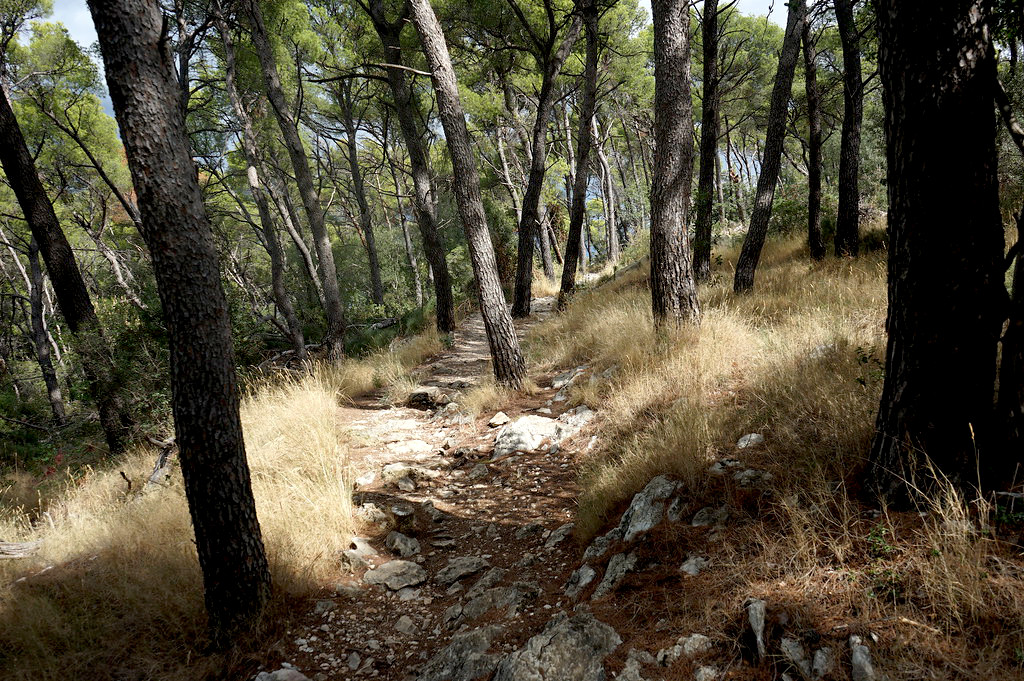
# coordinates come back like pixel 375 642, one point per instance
pixel 848 222
pixel 72 296
pixel 40 338
pixel 773 143
pixel 334 340
pixel 708 145
pixel 673 291
pixel 946 292
pixel 359 189
pixel 545 245
pixel 407 110
pixel 609 198
pixel 814 242
pixel 509 367
pixel 271 238
pixel 1011 367
pixel 584 141
pixel 529 226
pixel 208 431
pixel 410 249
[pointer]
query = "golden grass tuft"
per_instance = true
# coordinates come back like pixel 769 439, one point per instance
pixel 385 369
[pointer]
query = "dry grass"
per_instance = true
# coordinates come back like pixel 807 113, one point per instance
pixel 798 360
pixel 124 597
pixel 386 369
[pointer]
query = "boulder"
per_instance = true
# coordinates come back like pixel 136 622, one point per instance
pixel 568 649
pixel 464 659
pixel 618 566
pixel 750 440
pixel 427 397
pixel 396 575
pixel 686 646
pixel 402 545
pixel 527 434
pixel 460 567
pixel 861 668
pixel 579 580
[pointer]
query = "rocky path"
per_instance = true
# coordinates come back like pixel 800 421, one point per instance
pixel 467 567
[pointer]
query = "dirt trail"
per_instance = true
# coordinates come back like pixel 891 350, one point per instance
pixel 498 515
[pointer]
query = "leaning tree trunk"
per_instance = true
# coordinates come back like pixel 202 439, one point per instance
pixel 704 207
pixel 509 367
pixel 584 142
pixel 772 158
pixel 529 226
pixel 814 242
pixel 40 339
pixel 334 339
pixel 271 238
pixel 946 294
pixel 673 291
pixel 407 110
pixel 72 296
pixel 208 430
pixel 544 238
pixel 848 222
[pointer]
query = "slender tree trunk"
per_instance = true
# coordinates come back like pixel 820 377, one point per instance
pixel 774 140
pixel 40 338
pixel 584 141
pixel 673 291
pixel 289 219
pixel 545 245
pixel 814 242
pixel 708 145
pixel 359 189
pixel 529 226
pixel 848 223
pixel 513 193
pixel 407 110
pixel 509 367
pixel 719 190
pixel 271 240
pixel 946 292
pixel 334 340
pixel 609 198
pixel 410 249
pixel 208 431
pixel 72 295
pixel 1011 367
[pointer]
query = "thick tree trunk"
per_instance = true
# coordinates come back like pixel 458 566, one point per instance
pixel 848 223
pixel 814 242
pixel 271 238
pixel 41 339
pixel 775 135
pixel 673 291
pixel 407 110
pixel 1011 367
pixel 584 141
pixel 708 145
pixel 72 296
pixel 334 339
pixel 529 226
pixel 946 293
pixel 509 367
pixel 208 431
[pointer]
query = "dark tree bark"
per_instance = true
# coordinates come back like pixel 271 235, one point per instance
pixel 584 142
pixel 334 340
pixel 848 223
pixel 509 367
pixel 709 133
pixel 551 61
pixel 72 296
pixel 407 110
pixel 946 294
pixel 814 242
pixel 346 104
pixel 208 431
pixel 544 238
pixel 41 339
pixel 271 238
pixel 673 291
pixel 772 158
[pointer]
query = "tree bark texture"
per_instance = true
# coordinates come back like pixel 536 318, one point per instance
pixel 814 242
pixel 673 291
pixel 407 110
pixel 41 339
pixel 709 133
pixel 551 62
pixel 271 239
pixel 509 366
pixel 775 135
pixel 584 142
pixel 847 241
pixel 208 431
pixel 334 339
pixel 946 294
pixel 72 295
